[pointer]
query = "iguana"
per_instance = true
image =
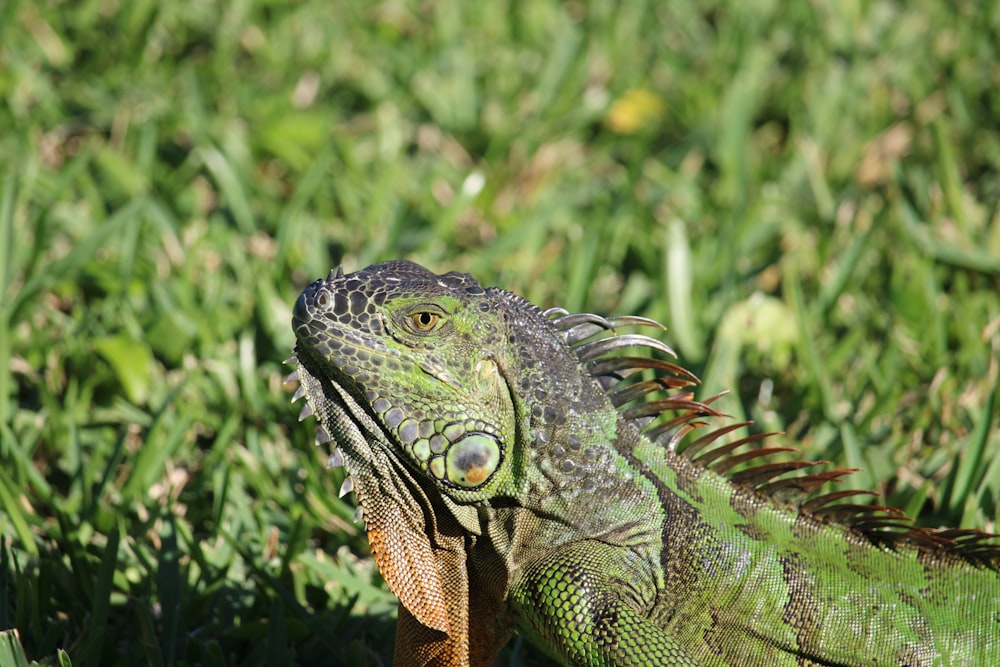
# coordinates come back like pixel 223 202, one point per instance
pixel 539 471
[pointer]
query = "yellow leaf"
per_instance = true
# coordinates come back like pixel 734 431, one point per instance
pixel 637 109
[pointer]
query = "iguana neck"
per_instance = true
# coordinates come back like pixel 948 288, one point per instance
pixel 574 452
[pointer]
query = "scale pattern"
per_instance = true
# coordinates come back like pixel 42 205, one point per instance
pixel 544 472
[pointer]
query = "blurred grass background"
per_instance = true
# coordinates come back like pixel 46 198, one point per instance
pixel 807 194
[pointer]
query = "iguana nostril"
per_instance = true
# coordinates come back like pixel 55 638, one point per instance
pixel 301 313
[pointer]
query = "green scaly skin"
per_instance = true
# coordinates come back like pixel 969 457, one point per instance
pixel 510 478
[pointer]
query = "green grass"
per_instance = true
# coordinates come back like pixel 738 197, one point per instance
pixel 807 195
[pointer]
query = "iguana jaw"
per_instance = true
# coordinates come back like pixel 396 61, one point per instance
pixel 398 513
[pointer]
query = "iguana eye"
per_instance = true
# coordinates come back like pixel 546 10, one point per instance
pixel 424 320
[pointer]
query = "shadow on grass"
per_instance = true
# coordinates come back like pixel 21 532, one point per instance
pixel 221 620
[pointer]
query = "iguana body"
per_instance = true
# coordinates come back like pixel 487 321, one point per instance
pixel 513 475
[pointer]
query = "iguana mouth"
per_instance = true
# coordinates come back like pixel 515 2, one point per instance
pixel 328 359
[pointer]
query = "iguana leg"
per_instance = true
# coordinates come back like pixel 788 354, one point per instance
pixel 581 606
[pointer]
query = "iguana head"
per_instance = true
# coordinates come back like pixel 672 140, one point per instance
pixel 415 352
pixel 404 370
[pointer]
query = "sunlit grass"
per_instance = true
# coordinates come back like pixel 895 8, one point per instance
pixel 807 197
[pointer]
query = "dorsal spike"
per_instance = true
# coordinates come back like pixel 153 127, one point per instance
pixel 767 471
pixel 567 321
pixel 554 312
pixel 664 411
pixel 621 395
pixel 678 402
pixel 692 449
pixel 730 462
pixel 841 511
pixel 335 460
pixel 629 365
pixel 603 346
pixel 677 436
pixel 667 429
pixel 634 321
pixel 815 504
